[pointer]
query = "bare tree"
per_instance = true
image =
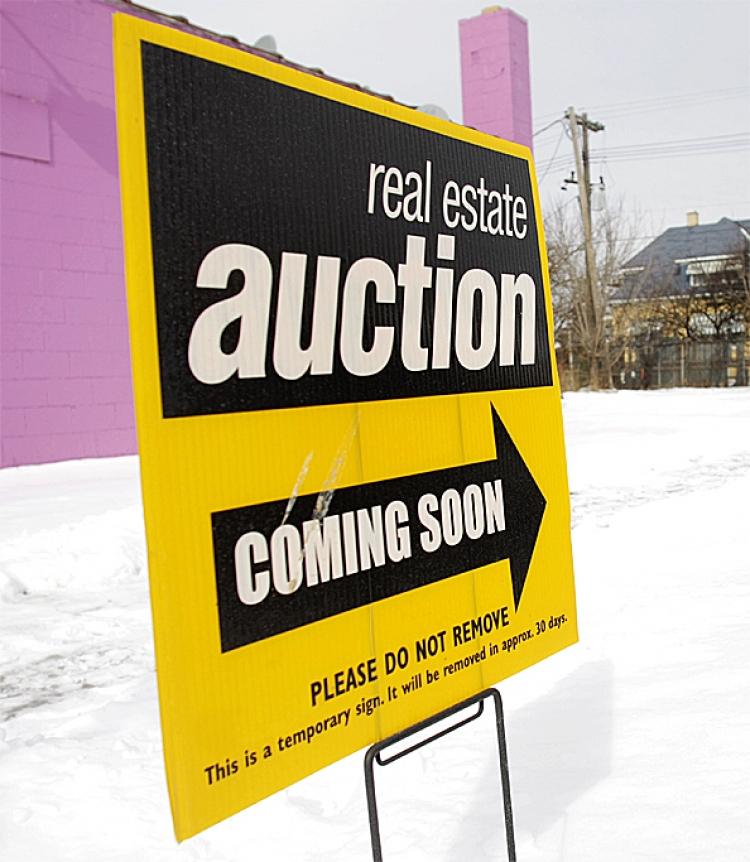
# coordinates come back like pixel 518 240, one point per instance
pixel 586 352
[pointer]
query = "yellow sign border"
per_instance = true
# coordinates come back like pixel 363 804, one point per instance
pixel 179 491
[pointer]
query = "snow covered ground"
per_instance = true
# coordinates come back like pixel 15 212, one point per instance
pixel 632 745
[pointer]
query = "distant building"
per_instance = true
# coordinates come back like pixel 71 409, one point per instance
pixel 681 312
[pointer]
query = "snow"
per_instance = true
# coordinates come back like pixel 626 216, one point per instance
pixel 632 745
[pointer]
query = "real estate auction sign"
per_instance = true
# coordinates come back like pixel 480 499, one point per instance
pixel 349 416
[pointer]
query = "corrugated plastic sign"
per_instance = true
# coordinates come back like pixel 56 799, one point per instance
pixel 348 410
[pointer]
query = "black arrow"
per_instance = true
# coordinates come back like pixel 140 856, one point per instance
pixel 454 520
pixel 525 509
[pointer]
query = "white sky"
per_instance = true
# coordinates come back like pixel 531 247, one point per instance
pixel 651 70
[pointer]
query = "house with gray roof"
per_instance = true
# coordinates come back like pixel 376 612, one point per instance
pixel 682 308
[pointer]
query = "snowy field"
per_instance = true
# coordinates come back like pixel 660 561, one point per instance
pixel 632 745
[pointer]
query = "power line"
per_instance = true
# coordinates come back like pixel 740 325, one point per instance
pixel 712 145
pixel 553 123
pixel 625 109
pixel 680 100
pixel 550 162
pixel 735 139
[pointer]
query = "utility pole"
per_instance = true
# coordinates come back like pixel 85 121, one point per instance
pixel 593 321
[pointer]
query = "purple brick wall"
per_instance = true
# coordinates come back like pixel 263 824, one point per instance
pixel 65 387
pixel 495 81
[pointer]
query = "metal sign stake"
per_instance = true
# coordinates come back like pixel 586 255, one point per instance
pixel 374 754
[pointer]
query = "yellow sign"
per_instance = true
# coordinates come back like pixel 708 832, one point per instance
pixel 348 411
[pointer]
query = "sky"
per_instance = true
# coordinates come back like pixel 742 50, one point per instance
pixel 674 73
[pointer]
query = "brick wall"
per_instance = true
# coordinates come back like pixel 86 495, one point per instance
pixel 65 387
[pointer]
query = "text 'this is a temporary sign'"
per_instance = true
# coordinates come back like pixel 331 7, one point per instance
pixel 349 417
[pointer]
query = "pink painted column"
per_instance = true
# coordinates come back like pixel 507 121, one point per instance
pixel 65 386
pixel 495 80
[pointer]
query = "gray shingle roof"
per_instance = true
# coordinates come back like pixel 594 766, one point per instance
pixel 683 243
